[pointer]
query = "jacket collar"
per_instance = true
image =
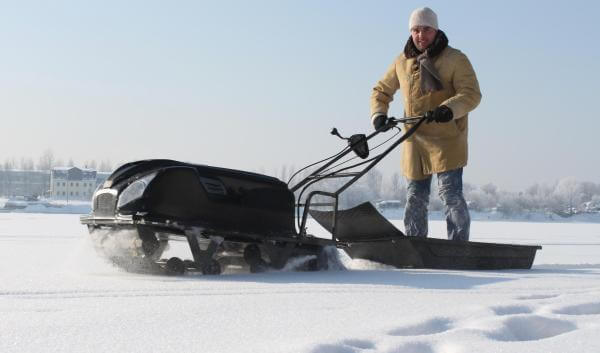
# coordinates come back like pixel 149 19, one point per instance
pixel 439 44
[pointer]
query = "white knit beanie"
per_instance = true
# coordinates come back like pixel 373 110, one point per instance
pixel 423 16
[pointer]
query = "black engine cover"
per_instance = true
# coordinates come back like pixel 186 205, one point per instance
pixel 210 197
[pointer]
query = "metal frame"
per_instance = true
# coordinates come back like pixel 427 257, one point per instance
pixel 323 173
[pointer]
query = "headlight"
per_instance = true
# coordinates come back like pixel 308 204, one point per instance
pixel 135 190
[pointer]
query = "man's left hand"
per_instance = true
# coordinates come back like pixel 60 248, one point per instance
pixel 441 114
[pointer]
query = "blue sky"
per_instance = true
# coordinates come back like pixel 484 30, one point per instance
pixel 258 84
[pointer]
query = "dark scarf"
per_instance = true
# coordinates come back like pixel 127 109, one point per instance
pixel 430 78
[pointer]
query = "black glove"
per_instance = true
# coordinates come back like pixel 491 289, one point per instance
pixel 441 114
pixel 381 123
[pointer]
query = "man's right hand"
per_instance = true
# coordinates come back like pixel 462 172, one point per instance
pixel 381 123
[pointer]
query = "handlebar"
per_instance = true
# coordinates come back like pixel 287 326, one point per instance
pixel 407 120
pixel 392 122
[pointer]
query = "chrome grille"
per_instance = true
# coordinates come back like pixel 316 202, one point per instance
pixel 105 203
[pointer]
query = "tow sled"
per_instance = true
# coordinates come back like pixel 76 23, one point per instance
pixel 231 217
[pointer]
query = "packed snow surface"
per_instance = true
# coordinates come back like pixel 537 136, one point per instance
pixel 57 295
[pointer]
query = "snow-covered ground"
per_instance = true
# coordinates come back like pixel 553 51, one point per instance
pixel 48 206
pixel 56 295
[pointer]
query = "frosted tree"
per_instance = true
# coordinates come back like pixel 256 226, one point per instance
pixel 46 161
pixel 484 198
pixel 594 204
pixel 540 196
pixel 508 204
pixel 588 190
pixel 26 164
pixel 489 189
pixel 570 193
pixel 467 187
pixel 374 180
pixel 9 164
pixel 396 188
pixel 105 166
pixel 91 164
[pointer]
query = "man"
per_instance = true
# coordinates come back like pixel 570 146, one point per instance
pixel 437 81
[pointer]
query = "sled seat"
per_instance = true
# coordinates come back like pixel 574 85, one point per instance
pixel 360 223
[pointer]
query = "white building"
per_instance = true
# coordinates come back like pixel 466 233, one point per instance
pixel 72 183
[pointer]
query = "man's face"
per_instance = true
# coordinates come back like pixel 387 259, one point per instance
pixel 423 36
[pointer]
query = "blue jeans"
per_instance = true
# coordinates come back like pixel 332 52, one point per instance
pixel 450 187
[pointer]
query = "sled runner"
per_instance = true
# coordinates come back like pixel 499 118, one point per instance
pixel 231 217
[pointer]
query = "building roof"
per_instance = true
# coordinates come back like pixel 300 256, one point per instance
pixel 70 168
pixel 73 173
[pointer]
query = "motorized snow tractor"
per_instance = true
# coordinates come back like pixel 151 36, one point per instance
pixel 231 217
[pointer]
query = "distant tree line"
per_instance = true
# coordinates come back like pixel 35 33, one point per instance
pixel 565 197
pixel 48 160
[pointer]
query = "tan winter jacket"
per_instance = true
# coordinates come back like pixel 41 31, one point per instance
pixel 435 147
